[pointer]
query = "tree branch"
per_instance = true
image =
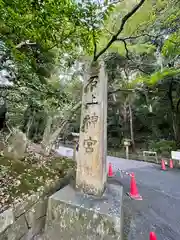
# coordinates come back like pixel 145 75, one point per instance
pixel 128 57
pixel 120 90
pixel 57 132
pixel 125 46
pixel 142 35
pixel 135 37
pixel 27 42
pixel 123 22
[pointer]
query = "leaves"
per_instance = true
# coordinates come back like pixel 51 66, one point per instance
pixel 171 47
pixel 157 77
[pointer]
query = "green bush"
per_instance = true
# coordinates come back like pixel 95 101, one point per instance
pixel 163 146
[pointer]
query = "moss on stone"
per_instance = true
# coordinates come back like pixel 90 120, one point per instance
pixel 19 178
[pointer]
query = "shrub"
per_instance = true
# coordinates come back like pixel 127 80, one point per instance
pixel 163 146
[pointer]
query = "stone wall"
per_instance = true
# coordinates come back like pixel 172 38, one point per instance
pixel 25 220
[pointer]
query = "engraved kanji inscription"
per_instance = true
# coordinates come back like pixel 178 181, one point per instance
pixel 94 119
pixel 88 144
pixel 92 84
pixel 86 123
pixel 94 101
pixel 88 120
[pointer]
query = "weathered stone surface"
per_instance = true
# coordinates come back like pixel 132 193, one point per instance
pixel 91 173
pixel 6 219
pixel 36 211
pixel 17 229
pixel 17 144
pixel 22 207
pixel 36 228
pixel 3 236
pixel 58 184
pixel 78 216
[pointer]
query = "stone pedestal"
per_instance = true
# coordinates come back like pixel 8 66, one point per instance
pixel 91 158
pixel 74 215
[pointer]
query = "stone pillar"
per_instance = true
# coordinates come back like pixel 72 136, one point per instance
pixel 91 173
pixel 95 212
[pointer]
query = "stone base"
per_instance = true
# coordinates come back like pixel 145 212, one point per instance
pixel 73 215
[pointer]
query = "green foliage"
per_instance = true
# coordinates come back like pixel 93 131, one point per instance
pixel 93 14
pixel 47 22
pixel 156 77
pixel 140 48
pixel 138 24
pixel 170 14
pixel 41 37
pixel 163 146
pixel 37 34
pixel 45 38
pixel 171 47
pixel 166 73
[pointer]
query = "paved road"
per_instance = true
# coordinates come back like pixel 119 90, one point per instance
pixel 160 209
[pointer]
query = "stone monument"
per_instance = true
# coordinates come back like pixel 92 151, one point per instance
pixel 93 210
pixel 91 158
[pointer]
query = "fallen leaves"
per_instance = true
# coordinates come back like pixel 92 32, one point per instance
pixel 19 179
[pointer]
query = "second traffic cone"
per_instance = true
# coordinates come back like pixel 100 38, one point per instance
pixel 134 194
pixel 152 236
pixel 170 163
pixel 163 166
pixel 110 171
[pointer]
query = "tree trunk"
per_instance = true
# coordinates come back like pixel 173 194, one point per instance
pixel 126 120
pixel 131 128
pixel 176 127
pixel 49 138
pixel 47 132
pixel 29 125
pixel 174 114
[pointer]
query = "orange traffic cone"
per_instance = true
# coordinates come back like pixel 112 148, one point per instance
pixel 170 163
pixel 110 171
pixel 163 167
pixel 152 236
pixel 134 194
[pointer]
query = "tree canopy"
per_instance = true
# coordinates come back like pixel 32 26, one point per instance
pixel 45 44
